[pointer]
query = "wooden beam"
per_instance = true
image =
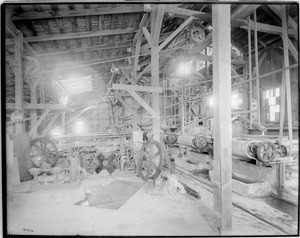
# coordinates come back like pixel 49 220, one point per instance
pixel 182 12
pixel 276 9
pixel 234 73
pixel 158 21
pixel 137 88
pixel 121 44
pixel 247 11
pixel 146 47
pixel 145 70
pixel 92 107
pixel 143 104
pixel 147 35
pixel 76 35
pixel 267 74
pixel 293 50
pixel 173 10
pixel 35 127
pixel 274 17
pixel 15 31
pixel 239 9
pixel 179 29
pixel 222 134
pixel 250 71
pixel 256 67
pixel 281 169
pixel 142 23
pixel 50 125
pixel 36 83
pixel 129 107
pixel 19 81
pixel 33 114
pixel 155 73
pixel 107 46
pixel 33 106
pixel 262 59
pixel 284 14
pixel 210 58
pixel 137 41
pixel 136 57
pixel 127 76
pixel 34 15
pixel 271 29
pixel 204 44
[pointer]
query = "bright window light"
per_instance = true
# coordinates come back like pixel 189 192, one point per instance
pixel 272 101
pixel 211 102
pixel 235 101
pixel 183 69
pixel 273 110
pixel 277 92
pixel 267 93
pixel 55 132
pixel 75 85
pixel 64 99
pixel 79 126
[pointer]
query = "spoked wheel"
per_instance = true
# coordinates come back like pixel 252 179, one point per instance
pixel 282 150
pixel 150 160
pixel 200 142
pixel 44 153
pixel 266 152
pixel 197 34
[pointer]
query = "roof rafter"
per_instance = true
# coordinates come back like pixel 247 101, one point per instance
pixel 75 35
pixel 34 15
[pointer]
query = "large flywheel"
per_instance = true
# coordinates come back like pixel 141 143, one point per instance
pixel 150 160
pixel 44 153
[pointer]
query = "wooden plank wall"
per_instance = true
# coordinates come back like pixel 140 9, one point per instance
pixel 274 61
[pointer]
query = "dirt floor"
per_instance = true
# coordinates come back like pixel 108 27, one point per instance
pixel 52 212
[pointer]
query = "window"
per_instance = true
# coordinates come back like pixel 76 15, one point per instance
pixel 79 126
pixel 272 107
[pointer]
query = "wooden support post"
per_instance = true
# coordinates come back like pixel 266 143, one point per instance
pixel 136 57
pixel 36 82
pixel 256 68
pixel 245 88
pixel 222 129
pixel 282 108
pixel 285 15
pixel 155 30
pixel 250 71
pixel 33 115
pixel 156 21
pixel 19 80
pixel 182 109
pixel 63 123
pixel 281 167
